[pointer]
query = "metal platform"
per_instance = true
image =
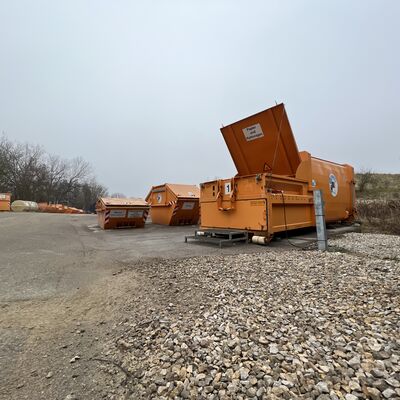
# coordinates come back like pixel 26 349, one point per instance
pixel 219 236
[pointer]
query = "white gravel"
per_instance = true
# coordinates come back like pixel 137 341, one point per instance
pixel 276 325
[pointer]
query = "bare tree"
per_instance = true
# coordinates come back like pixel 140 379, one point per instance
pixel 90 192
pixel 364 178
pixel 26 170
pixel 77 172
pixel 56 175
pixel 31 174
pixel 5 167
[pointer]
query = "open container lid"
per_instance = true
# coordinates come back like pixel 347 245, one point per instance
pixel 122 202
pixel 184 190
pixel 179 190
pixel 256 145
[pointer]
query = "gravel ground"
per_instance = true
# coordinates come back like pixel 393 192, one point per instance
pixel 370 244
pixel 276 325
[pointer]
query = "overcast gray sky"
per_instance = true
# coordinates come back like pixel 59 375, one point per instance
pixel 141 88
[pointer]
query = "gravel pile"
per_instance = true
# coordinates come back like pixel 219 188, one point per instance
pixel 275 325
pixel 369 244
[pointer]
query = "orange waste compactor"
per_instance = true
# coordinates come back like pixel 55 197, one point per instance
pixel 116 213
pixel 5 201
pixel 174 204
pixel 273 190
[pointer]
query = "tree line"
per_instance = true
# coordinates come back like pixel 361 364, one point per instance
pixel 28 172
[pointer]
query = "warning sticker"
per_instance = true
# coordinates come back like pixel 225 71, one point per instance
pixel 188 205
pixel 117 213
pixel 253 132
pixel 135 213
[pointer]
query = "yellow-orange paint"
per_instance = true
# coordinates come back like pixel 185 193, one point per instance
pixel 174 204
pixel 274 180
pixel 114 213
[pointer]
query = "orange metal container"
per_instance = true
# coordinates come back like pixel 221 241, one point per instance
pixel 273 190
pixel 116 213
pixel 174 204
pixel 5 201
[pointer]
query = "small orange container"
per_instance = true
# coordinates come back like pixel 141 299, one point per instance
pixel 114 213
pixel 5 201
pixel 174 204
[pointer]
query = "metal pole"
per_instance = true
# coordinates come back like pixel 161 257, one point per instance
pixel 319 207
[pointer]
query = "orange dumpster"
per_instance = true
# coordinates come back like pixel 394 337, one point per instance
pixel 116 213
pixel 5 201
pixel 174 204
pixel 273 190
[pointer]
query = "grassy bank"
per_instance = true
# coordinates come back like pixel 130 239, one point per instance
pixel 377 186
pixel 378 202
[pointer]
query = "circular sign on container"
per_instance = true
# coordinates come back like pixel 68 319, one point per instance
pixel 333 185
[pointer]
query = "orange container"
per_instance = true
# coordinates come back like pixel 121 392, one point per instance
pixel 5 201
pixel 116 213
pixel 273 190
pixel 174 204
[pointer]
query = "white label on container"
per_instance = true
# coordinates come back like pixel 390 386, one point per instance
pixel 253 132
pixel 117 213
pixel 188 205
pixel 2 196
pixel 228 188
pixel 333 185
pixel 135 213
pixel 159 198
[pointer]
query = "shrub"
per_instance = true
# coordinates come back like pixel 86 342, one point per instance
pixel 380 215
